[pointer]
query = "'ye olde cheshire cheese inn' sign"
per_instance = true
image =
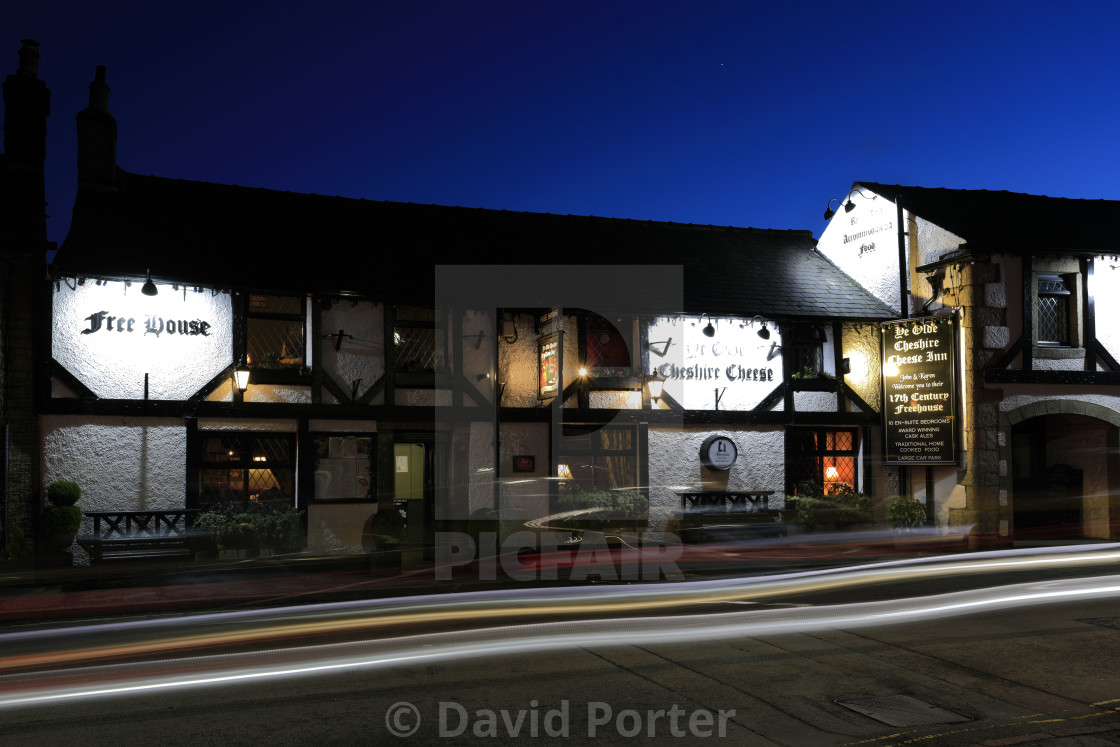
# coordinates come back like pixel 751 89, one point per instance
pixel 919 402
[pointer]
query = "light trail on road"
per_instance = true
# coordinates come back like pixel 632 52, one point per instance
pixel 59 664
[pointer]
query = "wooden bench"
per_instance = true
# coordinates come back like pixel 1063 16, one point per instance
pixel 136 535
pixel 710 514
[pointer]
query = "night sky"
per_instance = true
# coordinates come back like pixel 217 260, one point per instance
pixel 730 113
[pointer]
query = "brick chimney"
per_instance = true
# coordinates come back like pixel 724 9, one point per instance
pixel 27 104
pixel 97 138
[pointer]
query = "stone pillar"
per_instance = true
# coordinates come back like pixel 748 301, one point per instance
pixel 984 336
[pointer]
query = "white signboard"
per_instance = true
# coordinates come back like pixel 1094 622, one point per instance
pixel 110 335
pixel 732 369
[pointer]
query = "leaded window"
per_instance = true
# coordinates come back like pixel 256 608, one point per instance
pixel 826 456
pixel 250 471
pixel 275 331
pixel 1053 310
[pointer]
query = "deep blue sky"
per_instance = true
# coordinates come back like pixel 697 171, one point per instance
pixel 731 113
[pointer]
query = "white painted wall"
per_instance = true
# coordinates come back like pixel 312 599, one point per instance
pixel 864 244
pixel 362 355
pixel 674 465
pixel 121 463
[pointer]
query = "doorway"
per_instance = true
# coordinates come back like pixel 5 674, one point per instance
pixel 1063 468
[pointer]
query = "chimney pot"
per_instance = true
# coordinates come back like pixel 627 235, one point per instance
pixel 99 92
pixel 29 58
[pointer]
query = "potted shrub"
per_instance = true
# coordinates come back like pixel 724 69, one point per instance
pixel 904 513
pixel 62 519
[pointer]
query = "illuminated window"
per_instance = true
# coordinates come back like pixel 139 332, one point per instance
pixel 249 471
pixel 826 456
pixel 600 458
pixel 274 328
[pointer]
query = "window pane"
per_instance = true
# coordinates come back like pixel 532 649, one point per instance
pixel 616 438
pixel 344 468
pixel 415 313
pixel 1053 319
pixel 221 486
pixel 826 457
pixel 227 449
pixel 839 471
pixel 260 304
pixel 275 343
pixel 415 349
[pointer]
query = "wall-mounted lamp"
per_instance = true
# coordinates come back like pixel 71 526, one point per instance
pixel 563 472
pixel 656 386
pixel 507 330
pixel 710 330
pixel 763 330
pixel 241 377
pixel 583 370
pixel 829 212
pixel 845 365
pixel 849 206
pixel 149 288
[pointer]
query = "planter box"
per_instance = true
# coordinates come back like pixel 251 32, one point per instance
pixel 814 385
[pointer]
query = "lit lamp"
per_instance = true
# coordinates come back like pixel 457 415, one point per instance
pixel 563 472
pixel 656 386
pixel 831 475
pixel 241 377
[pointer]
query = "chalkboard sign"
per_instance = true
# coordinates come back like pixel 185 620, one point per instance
pixel 919 391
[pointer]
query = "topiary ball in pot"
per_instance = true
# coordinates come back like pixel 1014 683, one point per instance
pixel 63 493
pixel 60 525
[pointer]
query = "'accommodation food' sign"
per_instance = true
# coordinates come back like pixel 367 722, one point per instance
pixel 919 391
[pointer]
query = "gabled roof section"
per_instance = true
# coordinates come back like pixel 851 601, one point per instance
pixel 248 238
pixel 1012 222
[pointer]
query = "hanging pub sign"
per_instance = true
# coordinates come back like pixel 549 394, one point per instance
pixel 548 364
pixel 919 391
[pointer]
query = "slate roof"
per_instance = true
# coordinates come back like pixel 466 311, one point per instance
pixel 249 238
pixel 1013 222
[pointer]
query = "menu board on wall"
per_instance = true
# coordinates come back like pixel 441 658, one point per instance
pixel 549 367
pixel 919 391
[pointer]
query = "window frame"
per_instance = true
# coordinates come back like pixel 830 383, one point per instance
pixel 292 374
pixel 372 491
pixel 1065 300
pixel 795 456
pixel 244 464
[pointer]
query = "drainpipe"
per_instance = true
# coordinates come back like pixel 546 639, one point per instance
pixel 903 265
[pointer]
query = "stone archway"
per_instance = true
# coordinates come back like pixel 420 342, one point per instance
pixel 1061 470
